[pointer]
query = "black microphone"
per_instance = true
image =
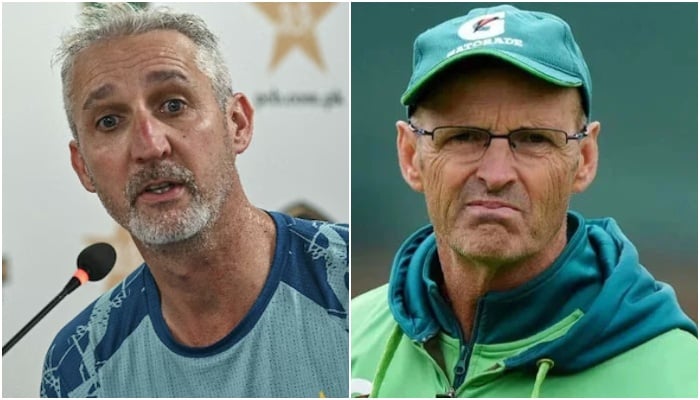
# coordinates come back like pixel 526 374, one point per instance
pixel 94 263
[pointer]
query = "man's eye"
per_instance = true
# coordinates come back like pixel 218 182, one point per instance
pixel 536 138
pixel 107 122
pixel 468 136
pixel 173 106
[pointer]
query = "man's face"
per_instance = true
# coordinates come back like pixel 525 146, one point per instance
pixel 152 140
pixel 501 208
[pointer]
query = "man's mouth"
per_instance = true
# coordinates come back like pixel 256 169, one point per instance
pixel 157 192
pixel 159 188
pixel 491 204
pixel 160 183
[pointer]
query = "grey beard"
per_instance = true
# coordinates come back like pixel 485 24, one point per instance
pixel 176 228
pixel 171 226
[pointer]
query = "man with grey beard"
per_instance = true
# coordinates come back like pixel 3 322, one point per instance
pixel 232 301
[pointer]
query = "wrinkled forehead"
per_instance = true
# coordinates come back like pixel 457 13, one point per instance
pixel 125 55
pixel 492 84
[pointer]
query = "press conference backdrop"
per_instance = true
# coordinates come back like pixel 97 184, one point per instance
pixel 292 60
pixel 643 61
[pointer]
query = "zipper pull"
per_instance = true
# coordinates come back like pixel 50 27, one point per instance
pixel 450 394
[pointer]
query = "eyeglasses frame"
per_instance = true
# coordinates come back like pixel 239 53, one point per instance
pixel 580 135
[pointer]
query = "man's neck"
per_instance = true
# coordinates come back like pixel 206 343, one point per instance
pixel 466 281
pixel 207 289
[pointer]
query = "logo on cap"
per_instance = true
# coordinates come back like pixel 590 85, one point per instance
pixel 483 27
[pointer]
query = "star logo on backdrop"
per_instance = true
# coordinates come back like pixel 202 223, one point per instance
pixel 128 256
pixel 295 24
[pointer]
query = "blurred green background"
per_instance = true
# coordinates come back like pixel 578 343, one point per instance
pixel 643 62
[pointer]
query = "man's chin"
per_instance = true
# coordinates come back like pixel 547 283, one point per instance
pixel 492 231
pixel 161 238
pixel 487 245
pixel 169 229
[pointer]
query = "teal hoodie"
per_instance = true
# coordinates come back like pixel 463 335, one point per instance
pixel 594 324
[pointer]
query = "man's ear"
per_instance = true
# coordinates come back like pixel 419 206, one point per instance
pixel 409 157
pixel 240 112
pixel 79 166
pixel 588 159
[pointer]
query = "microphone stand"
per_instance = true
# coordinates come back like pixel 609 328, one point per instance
pixel 72 284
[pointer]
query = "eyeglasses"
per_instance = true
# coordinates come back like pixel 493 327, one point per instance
pixel 472 142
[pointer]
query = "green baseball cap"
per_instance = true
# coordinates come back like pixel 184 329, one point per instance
pixel 539 43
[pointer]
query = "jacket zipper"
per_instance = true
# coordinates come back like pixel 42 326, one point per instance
pixel 465 350
pixel 462 365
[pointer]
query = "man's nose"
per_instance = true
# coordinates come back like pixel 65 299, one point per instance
pixel 497 166
pixel 149 139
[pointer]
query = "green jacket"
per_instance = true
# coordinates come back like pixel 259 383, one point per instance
pixel 594 324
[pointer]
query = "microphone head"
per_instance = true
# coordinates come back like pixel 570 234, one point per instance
pixel 97 260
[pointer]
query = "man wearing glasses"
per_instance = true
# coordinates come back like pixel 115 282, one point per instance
pixel 508 293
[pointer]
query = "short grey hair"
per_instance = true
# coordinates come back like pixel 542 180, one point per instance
pixel 113 20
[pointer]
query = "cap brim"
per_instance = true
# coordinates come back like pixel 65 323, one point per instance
pixel 533 67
